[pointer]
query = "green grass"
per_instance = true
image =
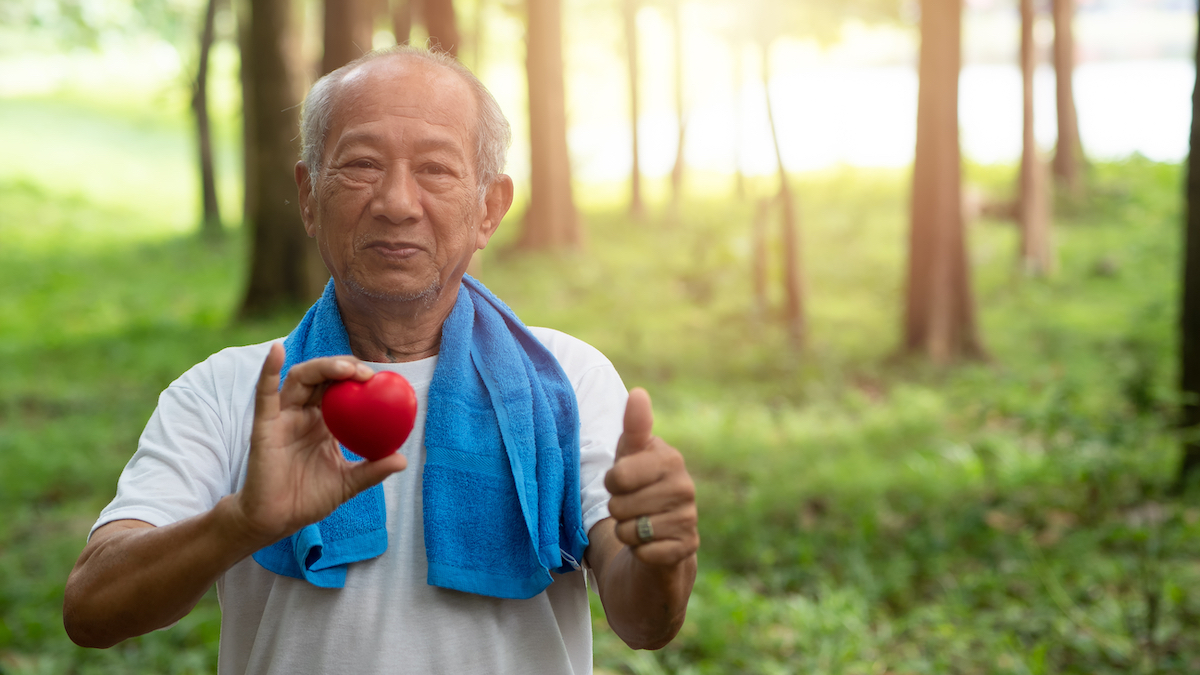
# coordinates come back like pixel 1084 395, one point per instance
pixel 859 513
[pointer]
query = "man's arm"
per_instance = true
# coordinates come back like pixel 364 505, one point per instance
pixel 133 578
pixel 645 586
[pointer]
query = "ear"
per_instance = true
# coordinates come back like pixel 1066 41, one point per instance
pixel 496 204
pixel 305 198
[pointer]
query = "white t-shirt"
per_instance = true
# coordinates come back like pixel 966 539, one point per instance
pixel 386 619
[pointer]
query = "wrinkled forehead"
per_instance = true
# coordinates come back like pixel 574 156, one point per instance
pixel 400 87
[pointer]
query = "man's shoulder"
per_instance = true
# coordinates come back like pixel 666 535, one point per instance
pixel 227 367
pixel 574 355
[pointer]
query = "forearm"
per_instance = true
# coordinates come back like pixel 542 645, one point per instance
pixel 645 604
pixel 136 580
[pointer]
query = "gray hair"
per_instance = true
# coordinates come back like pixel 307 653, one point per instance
pixel 492 132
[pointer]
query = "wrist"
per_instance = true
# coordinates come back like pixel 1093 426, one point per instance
pixel 238 528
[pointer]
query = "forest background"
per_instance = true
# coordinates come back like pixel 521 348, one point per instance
pixel 868 503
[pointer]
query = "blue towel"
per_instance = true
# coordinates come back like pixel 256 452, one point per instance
pixel 500 497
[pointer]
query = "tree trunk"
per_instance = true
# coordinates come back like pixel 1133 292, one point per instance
pixel 349 29
pixel 249 142
pixel 939 308
pixel 1033 215
pixel 677 170
pixel 551 220
pixel 281 254
pixel 629 10
pixel 1068 155
pixel 443 28
pixel 210 225
pixel 793 284
pixel 759 246
pixel 1189 343
pixel 402 20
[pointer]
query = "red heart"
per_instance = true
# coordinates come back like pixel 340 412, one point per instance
pixel 373 418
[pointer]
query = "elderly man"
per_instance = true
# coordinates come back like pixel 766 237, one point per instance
pixel 529 466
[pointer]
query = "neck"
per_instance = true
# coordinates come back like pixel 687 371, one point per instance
pixel 384 331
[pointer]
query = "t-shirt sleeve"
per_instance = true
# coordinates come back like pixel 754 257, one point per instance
pixel 181 467
pixel 601 395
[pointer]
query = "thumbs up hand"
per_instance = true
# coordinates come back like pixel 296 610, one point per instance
pixel 653 496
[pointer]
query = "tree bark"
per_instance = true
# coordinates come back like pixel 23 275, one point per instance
pixel 249 142
pixel 551 220
pixel 793 283
pixel 677 170
pixel 939 308
pixel 1068 155
pixel 1189 324
pixel 1034 216
pixel 210 224
pixel 281 257
pixel 348 32
pixel 402 20
pixel 440 21
pixel 629 10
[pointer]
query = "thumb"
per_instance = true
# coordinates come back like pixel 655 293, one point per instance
pixel 639 423
pixel 366 474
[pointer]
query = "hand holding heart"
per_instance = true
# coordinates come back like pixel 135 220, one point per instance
pixel 296 474
pixel 649 478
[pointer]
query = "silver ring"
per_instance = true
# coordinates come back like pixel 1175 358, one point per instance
pixel 645 531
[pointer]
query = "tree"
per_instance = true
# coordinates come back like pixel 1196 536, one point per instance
pixel 441 23
pixel 210 224
pixel 793 284
pixel 402 20
pixel 1068 155
pixel 939 308
pixel 1189 324
pixel 551 220
pixel 681 119
pixel 282 259
pixel 1032 209
pixel 348 31
pixel 629 10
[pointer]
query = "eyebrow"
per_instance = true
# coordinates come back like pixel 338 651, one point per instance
pixel 422 145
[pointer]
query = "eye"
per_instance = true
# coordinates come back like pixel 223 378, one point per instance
pixel 363 164
pixel 435 169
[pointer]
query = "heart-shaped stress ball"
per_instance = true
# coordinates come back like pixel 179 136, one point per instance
pixel 373 418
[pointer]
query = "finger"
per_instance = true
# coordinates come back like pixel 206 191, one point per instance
pixel 635 472
pixel 679 525
pixel 666 553
pixel 638 425
pixel 363 475
pixel 266 393
pixel 673 493
pixel 305 380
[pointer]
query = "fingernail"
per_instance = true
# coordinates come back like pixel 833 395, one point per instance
pixel 365 370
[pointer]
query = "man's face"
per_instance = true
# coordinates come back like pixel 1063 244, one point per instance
pixel 395 210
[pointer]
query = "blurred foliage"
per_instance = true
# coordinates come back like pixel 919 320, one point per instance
pixel 859 513
pixel 72 24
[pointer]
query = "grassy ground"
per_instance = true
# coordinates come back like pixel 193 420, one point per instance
pixel 859 513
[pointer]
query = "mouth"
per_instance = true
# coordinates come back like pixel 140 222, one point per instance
pixel 394 250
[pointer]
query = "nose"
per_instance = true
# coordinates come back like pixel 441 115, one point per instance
pixel 397 197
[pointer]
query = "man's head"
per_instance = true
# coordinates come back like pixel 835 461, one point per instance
pixel 492 132
pixel 399 180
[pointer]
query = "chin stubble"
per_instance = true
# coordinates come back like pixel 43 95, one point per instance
pixel 425 296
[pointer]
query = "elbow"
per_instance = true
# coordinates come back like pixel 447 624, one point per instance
pixel 85 633
pixel 85 626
